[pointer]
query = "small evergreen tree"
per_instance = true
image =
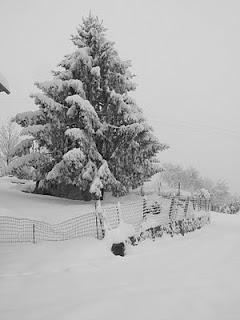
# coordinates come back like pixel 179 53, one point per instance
pixel 90 133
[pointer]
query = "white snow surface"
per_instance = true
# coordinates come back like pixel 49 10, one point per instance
pixel 96 71
pixel 75 133
pixel 32 130
pixel 96 186
pixel 83 54
pixel 120 234
pixel 74 155
pixel 193 277
pixel 60 85
pixel 18 204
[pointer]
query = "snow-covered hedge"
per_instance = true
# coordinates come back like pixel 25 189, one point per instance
pixel 173 228
pixel 231 208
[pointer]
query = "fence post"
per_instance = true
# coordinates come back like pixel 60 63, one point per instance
pixel 34 234
pixel 186 206
pixel 160 204
pixel 194 203
pixel 159 185
pixel 209 205
pixel 99 217
pixel 97 226
pixel 118 212
pixel 179 189
pixel 171 208
pixel 144 206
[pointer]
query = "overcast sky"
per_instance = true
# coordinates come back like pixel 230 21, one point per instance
pixel 185 54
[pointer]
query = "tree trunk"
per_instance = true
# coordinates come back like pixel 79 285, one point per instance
pixel 102 194
pixel 36 187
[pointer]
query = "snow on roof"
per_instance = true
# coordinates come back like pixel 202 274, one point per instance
pixel 4 86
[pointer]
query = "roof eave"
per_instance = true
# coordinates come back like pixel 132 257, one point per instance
pixel 4 89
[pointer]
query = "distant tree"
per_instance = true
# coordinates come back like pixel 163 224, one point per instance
pixel 9 138
pixel 192 181
pixel 208 184
pixel 220 193
pixel 189 178
pixel 93 131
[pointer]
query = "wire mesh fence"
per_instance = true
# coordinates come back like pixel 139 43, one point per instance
pixel 163 210
pixel 26 230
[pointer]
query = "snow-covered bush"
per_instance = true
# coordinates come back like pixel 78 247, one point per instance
pixel 230 208
pixel 205 193
pixel 118 238
pixel 122 233
pixel 151 229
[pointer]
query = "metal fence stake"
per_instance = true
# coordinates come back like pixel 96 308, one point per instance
pixel 34 235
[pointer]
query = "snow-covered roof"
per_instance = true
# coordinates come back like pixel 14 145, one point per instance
pixel 4 86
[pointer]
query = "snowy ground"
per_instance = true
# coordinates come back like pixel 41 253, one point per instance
pixel 15 203
pixel 192 277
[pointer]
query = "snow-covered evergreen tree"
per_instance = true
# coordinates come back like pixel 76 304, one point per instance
pixel 92 130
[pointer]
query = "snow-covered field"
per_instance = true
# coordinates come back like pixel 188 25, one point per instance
pixel 19 204
pixel 191 277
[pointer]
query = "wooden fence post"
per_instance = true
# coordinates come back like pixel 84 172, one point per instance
pixel 194 203
pixel 160 204
pixel 99 217
pixel 171 208
pixel 159 185
pixel 186 206
pixel 179 189
pixel 144 206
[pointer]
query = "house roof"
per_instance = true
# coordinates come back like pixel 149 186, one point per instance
pixel 4 86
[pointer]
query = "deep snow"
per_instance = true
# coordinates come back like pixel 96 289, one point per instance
pixel 15 203
pixel 191 277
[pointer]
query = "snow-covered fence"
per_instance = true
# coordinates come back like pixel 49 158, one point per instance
pixel 26 230
pixel 162 210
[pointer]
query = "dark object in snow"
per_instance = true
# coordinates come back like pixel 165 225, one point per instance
pixel 133 240
pixel 118 249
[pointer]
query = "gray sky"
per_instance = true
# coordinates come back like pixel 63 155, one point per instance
pixel 185 54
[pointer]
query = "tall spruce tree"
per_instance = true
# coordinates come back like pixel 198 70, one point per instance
pixel 89 131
